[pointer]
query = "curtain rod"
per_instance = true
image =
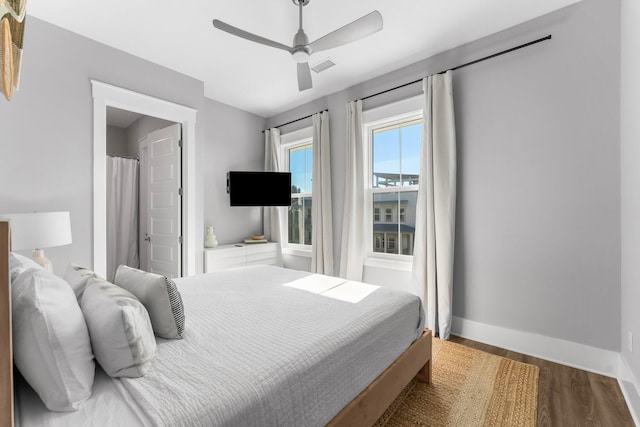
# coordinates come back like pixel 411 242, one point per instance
pixel 297 120
pixel 124 157
pixel 464 65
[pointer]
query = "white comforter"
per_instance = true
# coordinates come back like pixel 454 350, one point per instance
pixel 257 353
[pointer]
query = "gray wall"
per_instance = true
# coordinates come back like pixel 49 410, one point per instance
pixel 47 128
pixel 538 220
pixel 118 142
pixel 630 183
pixel 234 141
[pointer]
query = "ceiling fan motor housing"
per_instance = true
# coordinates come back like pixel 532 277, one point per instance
pixel 301 51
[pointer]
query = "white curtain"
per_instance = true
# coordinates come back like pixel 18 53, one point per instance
pixel 122 214
pixel 436 206
pixel 321 222
pixel 352 254
pixel 274 216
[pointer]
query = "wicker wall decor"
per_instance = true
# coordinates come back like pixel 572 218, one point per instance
pixel 12 19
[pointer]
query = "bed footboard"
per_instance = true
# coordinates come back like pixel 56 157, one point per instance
pixel 6 350
pixel 369 405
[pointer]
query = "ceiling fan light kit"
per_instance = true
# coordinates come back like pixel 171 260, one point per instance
pixel 302 49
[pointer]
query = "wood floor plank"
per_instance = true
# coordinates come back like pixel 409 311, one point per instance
pixel 568 396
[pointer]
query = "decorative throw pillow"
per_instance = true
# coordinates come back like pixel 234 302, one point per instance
pixel 159 295
pixel 120 330
pixel 51 346
pixel 78 277
pixel 19 264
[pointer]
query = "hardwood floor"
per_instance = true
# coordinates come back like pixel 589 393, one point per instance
pixel 569 396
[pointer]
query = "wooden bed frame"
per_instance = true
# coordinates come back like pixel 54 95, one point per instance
pixel 364 410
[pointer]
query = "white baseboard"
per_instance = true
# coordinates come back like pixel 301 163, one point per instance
pixel 630 389
pixel 592 359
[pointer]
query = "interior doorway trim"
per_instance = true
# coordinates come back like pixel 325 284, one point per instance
pixel 106 95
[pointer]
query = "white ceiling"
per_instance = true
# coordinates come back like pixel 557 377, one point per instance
pixel 262 80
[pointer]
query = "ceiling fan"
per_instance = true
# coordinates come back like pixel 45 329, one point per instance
pixel 302 49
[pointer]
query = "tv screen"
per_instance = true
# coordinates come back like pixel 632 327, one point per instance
pixel 259 188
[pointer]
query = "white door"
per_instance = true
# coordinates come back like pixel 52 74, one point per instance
pixel 164 202
pixel 144 191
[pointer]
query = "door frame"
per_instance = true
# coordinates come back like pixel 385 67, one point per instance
pixel 106 95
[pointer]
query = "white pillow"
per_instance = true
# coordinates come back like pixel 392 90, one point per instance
pixel 120 329
pixel 78 277
pixel 19 264
pixel 159 295
pixel 51 346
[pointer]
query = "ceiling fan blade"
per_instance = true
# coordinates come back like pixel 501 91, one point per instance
pixel 353 31
pixel 304 76
pixel 248 36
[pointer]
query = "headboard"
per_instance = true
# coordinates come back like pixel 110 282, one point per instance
pixel 6 348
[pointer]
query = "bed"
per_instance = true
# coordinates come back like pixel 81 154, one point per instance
pixel 350 351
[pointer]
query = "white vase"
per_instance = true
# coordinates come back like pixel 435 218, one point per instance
pixel 210 238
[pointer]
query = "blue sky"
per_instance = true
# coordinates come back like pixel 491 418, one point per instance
pixel 390 145
pixel 300 166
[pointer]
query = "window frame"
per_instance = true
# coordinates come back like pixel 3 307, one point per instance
pixel 388 115
pixel 289 141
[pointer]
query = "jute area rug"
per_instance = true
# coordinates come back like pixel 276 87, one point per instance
pixel 469 388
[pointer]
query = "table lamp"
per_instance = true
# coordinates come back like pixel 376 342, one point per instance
pixel 39 230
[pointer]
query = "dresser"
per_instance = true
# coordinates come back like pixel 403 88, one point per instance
pixel 241 255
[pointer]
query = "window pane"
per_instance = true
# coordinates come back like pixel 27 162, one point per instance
pixel 297 169
pixel 386 157
pixel 299 224
pixel 396 155
pixel 396 232
pixel 300 166
pixel 307 220
pixel 296 220
pixel 411 137
pixel 408 202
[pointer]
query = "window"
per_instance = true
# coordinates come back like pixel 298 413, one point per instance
pixel 298 159
pixel 388 215
pixel 394 173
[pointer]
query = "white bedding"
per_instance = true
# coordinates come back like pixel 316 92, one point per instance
pixel 236 365
pixel 109 405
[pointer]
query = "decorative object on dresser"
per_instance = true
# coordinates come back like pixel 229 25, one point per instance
pixel 256 238
pixel 210 240
pixel 39 230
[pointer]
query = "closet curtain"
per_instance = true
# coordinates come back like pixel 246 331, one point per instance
pixel 122 214
pixel 321 222
pixel 353 250
pixel 432 271
pixel 274 216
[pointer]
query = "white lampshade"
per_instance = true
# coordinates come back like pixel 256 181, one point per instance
pixel 39 230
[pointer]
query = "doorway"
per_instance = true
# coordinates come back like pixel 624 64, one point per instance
pixel 144 186
pixel 104 96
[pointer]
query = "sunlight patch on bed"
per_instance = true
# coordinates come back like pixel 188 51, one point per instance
pixel 316 283
pixel 333 287
pixel 353 292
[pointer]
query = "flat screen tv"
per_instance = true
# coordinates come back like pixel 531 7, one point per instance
pixel 259 188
